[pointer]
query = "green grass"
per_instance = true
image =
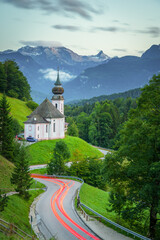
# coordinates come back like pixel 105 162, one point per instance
pixel 6 168
pixel 39 171
pixel 17 211
pixel 19 110
pixel 42 152
pixel 96 199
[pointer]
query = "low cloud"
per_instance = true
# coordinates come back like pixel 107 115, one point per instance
pixel 153 31
pixel 41 43
pixel 120 49
pixel 107 29
pixel 67 27
pixel 51 74
pixel 68 8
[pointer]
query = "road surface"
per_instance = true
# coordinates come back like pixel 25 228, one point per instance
pixel 55 208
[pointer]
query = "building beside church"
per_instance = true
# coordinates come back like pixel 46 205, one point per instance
pixel 47 121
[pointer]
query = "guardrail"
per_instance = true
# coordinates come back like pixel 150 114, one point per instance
pixel 9 228
pixel 115 224
pixel 126 230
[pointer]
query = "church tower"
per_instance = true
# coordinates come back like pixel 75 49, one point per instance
pixel 57 99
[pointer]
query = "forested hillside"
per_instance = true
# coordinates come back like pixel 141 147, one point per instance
pixel 133 93
pixel 13 82
pixel 99 123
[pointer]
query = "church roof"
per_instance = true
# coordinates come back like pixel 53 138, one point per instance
pixel 43 111
pixel 36 119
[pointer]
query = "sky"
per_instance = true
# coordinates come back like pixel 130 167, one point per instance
pixel 118 27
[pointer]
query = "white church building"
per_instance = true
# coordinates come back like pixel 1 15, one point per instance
pixel 47 121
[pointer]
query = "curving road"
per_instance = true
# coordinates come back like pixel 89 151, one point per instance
pixel 55 208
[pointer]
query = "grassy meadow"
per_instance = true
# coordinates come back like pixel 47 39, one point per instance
pixel 42 152
pixel 19 110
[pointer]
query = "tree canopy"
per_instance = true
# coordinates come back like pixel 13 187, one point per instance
pixel 13 82
pixel 60 154
pixel 134 170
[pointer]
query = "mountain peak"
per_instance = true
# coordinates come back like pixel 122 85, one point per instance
pixel 100 53
pixel 152 52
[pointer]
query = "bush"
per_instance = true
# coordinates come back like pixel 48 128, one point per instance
pixel 32 105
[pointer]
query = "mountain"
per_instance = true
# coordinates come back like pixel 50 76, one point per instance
pixel 117 75
pixel 83 77
pixel 39 65
pixel 133 93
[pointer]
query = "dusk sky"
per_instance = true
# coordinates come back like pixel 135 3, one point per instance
pixel 118 27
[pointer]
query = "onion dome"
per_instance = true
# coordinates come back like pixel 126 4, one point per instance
pixel 58 89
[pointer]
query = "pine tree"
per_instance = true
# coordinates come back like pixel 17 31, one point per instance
pixel 3 201
pixel 21 176
pixel 6 133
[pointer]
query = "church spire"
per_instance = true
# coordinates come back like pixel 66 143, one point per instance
pixel 58 80
pixel 58 89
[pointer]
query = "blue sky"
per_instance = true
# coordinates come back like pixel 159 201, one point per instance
pixel 118 27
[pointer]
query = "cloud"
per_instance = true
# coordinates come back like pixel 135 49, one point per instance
pixel 108 29
pixel 153 31
pixel 66 27
pixel 68 8
pixel 41 43
pixel 51 74
pixel 120 49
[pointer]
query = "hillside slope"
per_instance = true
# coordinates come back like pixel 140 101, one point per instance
pixel 6 169
pixel 42 152
pixel 19 110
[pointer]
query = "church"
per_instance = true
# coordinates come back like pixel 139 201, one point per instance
pixel 47 121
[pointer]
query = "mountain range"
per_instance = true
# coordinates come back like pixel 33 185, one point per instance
pixel 83 76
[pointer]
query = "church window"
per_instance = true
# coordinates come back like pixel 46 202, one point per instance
pixel 38 128
pixel 54 127
pixel 38 136
pixel 30 128
pixel 46 128
pixel 56 105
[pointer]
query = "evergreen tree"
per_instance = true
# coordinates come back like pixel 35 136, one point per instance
pixel 6 133
pixel 60 154
pixel 3 81
pixel 3 201
pixel 21 175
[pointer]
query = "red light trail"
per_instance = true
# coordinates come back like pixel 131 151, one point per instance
pixel 57 200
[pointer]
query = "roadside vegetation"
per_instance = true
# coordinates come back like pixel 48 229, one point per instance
pixel 17 212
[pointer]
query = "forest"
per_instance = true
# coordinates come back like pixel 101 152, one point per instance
pixel 13 82
pixel 100 122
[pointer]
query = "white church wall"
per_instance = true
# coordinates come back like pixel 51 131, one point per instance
pixel 59 104
pixel 30 130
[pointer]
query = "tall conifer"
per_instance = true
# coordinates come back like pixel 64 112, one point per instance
pixel 21 176
pixel 6 133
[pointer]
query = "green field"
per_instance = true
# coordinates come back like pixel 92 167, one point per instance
pixel 19 110
pixel 96 199
pixel 6 168
pixel 42 152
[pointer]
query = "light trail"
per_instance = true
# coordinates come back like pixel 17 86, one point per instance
pixel 57 200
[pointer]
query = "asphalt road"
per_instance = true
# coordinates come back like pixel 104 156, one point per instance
pixel 55 208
